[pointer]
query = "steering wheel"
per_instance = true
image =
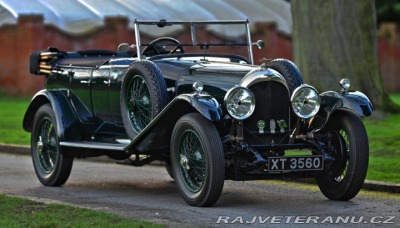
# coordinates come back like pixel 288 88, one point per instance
pixel 163 45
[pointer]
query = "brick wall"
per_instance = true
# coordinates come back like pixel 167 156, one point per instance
pixel 389 55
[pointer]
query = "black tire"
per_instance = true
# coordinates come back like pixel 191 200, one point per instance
pixel 346 175
pixel 150 100
pixel 200 171
pixel 289 71
pixel 51 166
pixel 168 167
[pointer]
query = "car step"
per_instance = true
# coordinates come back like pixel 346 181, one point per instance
pixel 95 145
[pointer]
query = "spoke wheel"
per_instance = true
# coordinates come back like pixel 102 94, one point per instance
pixel 47 142
pixel 197 160
pixel 341 144
pixel 345 177
pixel 51 166
pixel 139 103
pixel 143 96
pixel 192 161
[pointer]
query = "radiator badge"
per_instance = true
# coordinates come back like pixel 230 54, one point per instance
pixel 272 126
pixel 261 126
pixel 282 125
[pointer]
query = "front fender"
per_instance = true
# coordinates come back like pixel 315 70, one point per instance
pixel 67 122
pixel 156 136
pixel 204 104
pixel 332 101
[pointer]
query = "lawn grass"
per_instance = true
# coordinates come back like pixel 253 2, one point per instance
pixel 12 111
pixel 383 132
pixel 384 142
pixel 17 212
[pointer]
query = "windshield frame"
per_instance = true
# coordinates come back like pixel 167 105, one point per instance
pixel 163 23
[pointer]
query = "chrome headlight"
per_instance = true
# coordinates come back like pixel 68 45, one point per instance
pixel 240 103
pixel 305 101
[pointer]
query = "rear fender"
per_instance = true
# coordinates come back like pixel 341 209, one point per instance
pixel 332 101
pixel 68 126
pixel 157 135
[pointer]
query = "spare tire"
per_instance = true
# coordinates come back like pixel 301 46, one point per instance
pixel 143 96
pixel 289 71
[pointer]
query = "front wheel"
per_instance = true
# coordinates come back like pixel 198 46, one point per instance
pixel 168 168
pixel 51 166
pixel 197 160
pixel 345 177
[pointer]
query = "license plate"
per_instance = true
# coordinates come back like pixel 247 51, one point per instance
pixel 296 163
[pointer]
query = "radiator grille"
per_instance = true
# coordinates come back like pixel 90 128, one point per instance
pixel 272 102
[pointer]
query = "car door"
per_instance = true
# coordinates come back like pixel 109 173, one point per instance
pixel 105 100
pixel 80 83
pixel 100 91
pixel 116 76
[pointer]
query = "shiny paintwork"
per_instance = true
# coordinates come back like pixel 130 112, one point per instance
pixel 68 125
pixel 332 101
pixel 156 136
pixel 93 95
pixel 207 117
pixel 87 100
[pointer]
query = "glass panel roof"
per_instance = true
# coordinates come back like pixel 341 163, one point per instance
pixel 81 16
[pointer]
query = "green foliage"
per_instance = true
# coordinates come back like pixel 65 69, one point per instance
pixel 388 10
pixel 17 212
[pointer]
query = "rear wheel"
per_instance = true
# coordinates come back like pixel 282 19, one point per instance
pixel 51 166
pixel 289 71
pixel 345 177
pixel 143 96
pixel 197 160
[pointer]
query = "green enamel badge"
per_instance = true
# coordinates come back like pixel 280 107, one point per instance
pixel 261 126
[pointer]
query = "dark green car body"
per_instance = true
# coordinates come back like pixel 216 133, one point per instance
pixel 93 116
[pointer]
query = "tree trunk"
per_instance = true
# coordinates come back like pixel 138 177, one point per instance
pixel 336 39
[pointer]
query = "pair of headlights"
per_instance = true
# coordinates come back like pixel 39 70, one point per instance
pixel 240 102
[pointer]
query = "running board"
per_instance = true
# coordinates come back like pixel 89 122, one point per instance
pixel 95 145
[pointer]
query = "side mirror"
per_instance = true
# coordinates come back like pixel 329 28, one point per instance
pixel 260 44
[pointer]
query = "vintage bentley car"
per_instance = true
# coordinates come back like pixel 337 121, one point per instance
pixel 209 117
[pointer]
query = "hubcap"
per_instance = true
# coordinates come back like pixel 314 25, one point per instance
pixel 185 162
pixel 40 145
pixel 341 146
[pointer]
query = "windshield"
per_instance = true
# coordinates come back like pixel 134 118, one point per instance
pixel 195 39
